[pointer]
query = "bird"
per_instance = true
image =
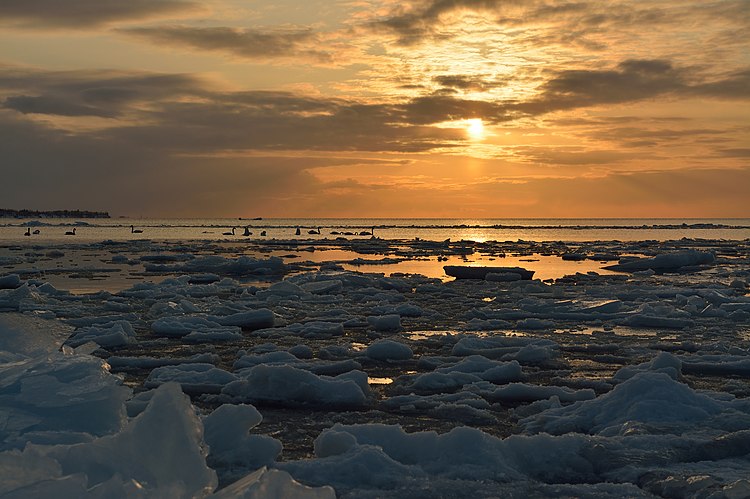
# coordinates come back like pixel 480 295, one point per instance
pixel 28 231
pixel 36 231
pixel 298 232
pixel 229 233
pixel 71 232
pixel 263 233
pixel 365 233
pixel 313 231
pixel 247 231
pixel 133 230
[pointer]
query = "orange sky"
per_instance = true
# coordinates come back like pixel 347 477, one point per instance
pixel 434 108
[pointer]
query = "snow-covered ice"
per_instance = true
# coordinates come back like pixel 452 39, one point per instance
pixel 238 375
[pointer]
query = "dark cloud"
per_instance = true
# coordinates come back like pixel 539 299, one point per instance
pixel 574 155
pixel 631 81
pixel 53 105
pixel 440 108
pixel 476 83
pixel 89 93
pixel 735 85
pixel 50 168
pixel 245 43
pixel 415 23
pixel 181 114
pixel 85 13
pixel 737 152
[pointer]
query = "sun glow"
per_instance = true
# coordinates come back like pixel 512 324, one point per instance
pixel 475 128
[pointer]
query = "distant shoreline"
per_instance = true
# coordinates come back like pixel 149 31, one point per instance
pixel 6 213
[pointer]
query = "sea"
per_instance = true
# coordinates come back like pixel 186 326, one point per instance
pixel 49 230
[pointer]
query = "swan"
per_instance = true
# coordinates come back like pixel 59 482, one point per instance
pixel 298 232
pixel 71 232
pixel 36 231
pixel 313 231
pixel 228 233
pixel 263 233
pixel 247 231
pixel 365 233
pixel 133 230
pixel 28 231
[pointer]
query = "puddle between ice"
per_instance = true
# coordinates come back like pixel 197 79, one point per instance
pixel 379 381
pixel 424 335
pixel 616 331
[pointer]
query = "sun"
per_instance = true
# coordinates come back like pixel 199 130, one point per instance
pixel 475 128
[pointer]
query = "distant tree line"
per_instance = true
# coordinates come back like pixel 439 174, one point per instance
pixel 6 213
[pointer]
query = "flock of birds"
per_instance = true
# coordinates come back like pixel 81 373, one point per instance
pixel 247 232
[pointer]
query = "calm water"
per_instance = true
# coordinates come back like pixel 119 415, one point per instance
pixel 92 230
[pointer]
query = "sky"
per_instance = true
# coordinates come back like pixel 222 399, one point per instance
pixel 424 108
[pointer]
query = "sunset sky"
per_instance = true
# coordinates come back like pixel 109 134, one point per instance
pixel 322 108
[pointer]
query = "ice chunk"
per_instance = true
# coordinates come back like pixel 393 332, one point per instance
pixel 479 272
pixel 647 397
pixel 115 334
pixel 31 336
pixel 252 319
pixel 388 350
pixel 323 286
pixel 291 386
pixel 161 449
pixel 227 435
pixel 665 262
pixel 176 327
pixel 391 322
pixel 61 392
pixel 266 484
pixel 664 362
pixel 523 392
pixel 10 281
pixel 193 378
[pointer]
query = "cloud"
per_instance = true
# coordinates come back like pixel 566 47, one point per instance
pixel 632 80
pixel 89 93
pixel 475 83
pixel 83 14
pixel 735 85
pixel 244 43
pixel 569 23
pixel 183 113
pixel 417 20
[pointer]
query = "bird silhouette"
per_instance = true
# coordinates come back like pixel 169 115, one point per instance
pixel 28 231
pixel 36 231
pixel 133 230
pixel 71 232
pixel 313 231
pixel 247 231
pixel 298 232
pixel 228 233
pixel 263 233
